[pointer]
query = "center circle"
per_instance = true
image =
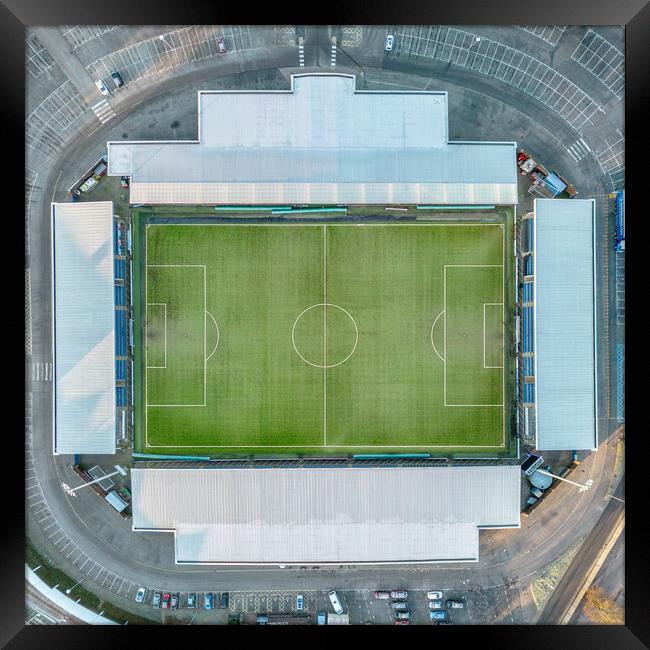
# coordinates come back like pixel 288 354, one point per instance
pixel 325 335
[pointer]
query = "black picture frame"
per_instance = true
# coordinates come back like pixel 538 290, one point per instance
pixel 634 14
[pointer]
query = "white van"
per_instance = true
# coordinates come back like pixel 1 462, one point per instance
pixel 334 599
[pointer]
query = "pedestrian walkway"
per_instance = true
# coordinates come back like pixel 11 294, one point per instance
pixel 42 371
pixel 578 150
pixel 301 52
pixel 104 111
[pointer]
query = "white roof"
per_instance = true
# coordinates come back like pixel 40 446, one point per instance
pixel 116 501
pixel 320 142
pixel 565 332
pixel 84 328
pixel 329 515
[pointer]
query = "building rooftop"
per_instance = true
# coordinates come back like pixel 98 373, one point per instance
pixel 565 333
pixel 84 328
pixel 330 515
pixel 322 142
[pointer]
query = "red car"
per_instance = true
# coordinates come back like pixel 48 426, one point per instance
pixel 382 595
pixel 402 622
pixel 165 600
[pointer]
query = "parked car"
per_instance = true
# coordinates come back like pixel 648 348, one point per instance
pixel 321 618
pixel 225 599
pixel 434 595
pixel 390 41
pixel 221 45
pixel 435 604
pixel 174 602
pixel 402 616
pixel 207 601
pixel 300 603
pixel 101 86
pixel 156 599
pixel 455 604
pixel 191 601
pixel 117 79
pixel 124 182
pixel 401 594
pixel 401 605
pixel 402 622
pixel 139 597
pixel 336 604
pixel 165 600
pixel 88 184
pixel 382 595
pixel 437 616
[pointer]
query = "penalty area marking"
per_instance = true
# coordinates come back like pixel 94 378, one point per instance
pixel 444 280
pixel 324 365
pixel 205 365
pixel 216 345
pixel 433 345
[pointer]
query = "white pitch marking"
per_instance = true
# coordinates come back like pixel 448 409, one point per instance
pixel 445 322
pixel 218 334
pixel 432 343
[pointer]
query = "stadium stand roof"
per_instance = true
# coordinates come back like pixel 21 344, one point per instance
pixel 321 142
pixel 565 328
pixel 328 515
pixel 84 328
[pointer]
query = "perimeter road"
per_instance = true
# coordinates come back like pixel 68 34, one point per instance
pixel 579 575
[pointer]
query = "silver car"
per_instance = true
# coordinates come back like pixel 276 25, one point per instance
pixel 390 40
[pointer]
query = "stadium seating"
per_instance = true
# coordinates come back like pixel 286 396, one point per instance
pixel 529 393
pixel 528 338
pixel 528 265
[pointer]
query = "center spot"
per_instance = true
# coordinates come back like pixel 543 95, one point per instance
pixel 325 335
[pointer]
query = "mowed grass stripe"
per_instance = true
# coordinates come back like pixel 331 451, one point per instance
pixel 388 395
pixel 390 392
pixel 259 391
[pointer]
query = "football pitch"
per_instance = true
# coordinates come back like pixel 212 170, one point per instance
pixel 315 338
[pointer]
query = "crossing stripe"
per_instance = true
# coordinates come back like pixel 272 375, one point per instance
pixel 104 111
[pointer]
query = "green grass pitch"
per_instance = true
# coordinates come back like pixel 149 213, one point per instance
pixel 323 338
